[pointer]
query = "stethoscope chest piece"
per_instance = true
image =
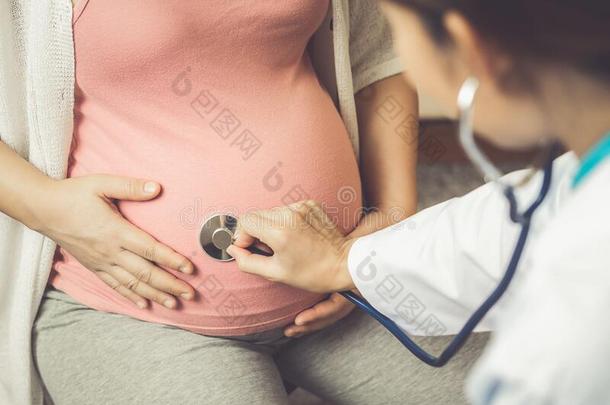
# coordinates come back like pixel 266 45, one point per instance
pixel 216 236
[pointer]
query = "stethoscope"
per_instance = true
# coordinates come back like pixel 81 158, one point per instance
pixel 217 234
pixel 458 341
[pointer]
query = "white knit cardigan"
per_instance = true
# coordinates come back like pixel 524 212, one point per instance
pixel 36 120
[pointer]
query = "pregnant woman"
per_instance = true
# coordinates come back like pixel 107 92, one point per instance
pixel 231 120
pixel 218 103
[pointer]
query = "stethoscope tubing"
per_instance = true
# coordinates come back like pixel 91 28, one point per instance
pixel 462 336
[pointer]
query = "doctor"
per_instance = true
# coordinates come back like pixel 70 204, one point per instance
pixel 538 72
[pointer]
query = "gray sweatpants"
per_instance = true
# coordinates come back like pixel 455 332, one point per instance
pixel 89 357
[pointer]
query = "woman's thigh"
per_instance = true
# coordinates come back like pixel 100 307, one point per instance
pixel 356 361
pixel 92 357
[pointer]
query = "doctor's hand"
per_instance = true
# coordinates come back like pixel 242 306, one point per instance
pixel 79 214
pixel 309 252
pixel 337 307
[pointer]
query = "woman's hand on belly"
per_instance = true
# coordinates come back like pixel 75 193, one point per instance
pixel 78 214
pixel 320 316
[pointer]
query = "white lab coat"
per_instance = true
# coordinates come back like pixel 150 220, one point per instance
pixel 551 343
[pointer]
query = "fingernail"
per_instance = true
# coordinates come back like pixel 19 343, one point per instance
pixel 141 304
pixel 169 304
pixel 299 322
pixel 186 269
pixel 186 296
pixel 150 187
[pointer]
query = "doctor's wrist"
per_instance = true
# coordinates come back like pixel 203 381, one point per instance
pixel 343 279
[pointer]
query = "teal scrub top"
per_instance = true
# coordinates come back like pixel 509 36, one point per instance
pixel 592 159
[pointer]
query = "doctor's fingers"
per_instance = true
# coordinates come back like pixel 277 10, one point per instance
pixel 243 240
pixel 262 225
pixel 318 219
pixel 252 263
pixel 144 245
pixel 275 226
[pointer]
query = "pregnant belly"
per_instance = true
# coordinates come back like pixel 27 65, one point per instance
pixel 231 161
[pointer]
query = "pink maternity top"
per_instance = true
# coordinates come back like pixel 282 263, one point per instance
pixel 219 103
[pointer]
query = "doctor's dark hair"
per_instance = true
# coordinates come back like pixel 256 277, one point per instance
pixel 575 33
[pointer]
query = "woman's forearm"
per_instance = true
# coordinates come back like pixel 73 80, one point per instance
pixel 78 214
pixel 388 123
pixel 21 187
